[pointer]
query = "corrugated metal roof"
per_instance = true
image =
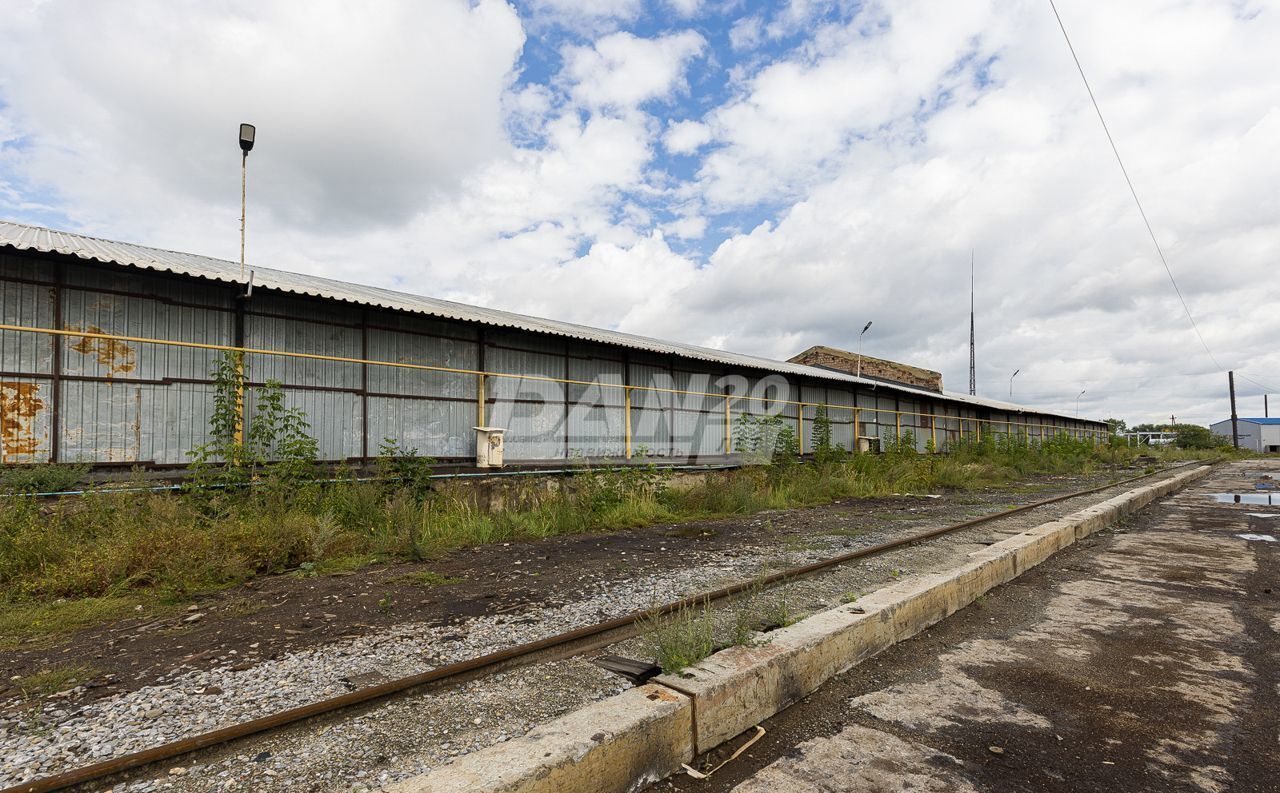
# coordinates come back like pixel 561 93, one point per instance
pixel 34 238
pixel 1267 421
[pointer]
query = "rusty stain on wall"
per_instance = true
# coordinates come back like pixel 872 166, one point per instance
pixel 114 354
pixel 19 405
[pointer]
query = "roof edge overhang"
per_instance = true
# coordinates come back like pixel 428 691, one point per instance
pixel 34 239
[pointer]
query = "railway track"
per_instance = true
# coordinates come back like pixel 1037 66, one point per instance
pixel 572 642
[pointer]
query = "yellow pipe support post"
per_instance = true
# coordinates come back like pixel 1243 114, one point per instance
pixel 933 433
pixel 626 391
pixel 857 430
pixel 480 401
pixel 240 378
pixel 800 427
pixel 728 429
pixel 897 428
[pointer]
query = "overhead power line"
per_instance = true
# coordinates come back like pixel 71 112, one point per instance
pixel 1132 191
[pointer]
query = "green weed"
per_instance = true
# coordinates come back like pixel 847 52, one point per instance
pixel 53 679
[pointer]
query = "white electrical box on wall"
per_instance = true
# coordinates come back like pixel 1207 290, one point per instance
pixel 489 446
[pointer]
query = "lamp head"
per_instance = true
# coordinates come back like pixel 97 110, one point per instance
pixel 247 132
pixel 866 327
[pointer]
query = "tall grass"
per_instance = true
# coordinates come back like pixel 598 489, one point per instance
pixel 173 545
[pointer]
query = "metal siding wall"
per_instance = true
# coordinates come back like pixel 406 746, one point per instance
pixel 25 268
pixel 501 359
pixel 119 422
pixel 651 416
pixel 434 428
pixel 596 415
pixel 101 421
pixel 596 431
pixel 387 345
pixel 294 335
pixel 124 418
pixel 334 417
pixel 534 431
pixel 699 434
pixel 150 285
pixel 31 305
pixel 139 316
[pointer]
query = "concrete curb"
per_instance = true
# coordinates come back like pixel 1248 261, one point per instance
pixel 625 742
pixel 619 744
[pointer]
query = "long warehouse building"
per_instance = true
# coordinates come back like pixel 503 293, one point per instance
pixel 107 349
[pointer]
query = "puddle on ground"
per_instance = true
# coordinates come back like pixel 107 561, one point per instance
pixel 1257 537
pixel 1269 499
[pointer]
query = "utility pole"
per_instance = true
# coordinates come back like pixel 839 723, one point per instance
pixel 1266 412
pixel 1235 424
pixel 973 377
pixel 865 328
pixel 247 133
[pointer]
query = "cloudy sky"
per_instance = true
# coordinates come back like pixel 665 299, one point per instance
pixel 754 177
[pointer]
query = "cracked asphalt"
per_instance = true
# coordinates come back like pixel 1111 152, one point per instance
pixel 1141 659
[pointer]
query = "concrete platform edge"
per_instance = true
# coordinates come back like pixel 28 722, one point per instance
pixel 625 742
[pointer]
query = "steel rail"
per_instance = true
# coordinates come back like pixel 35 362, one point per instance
pixel 175 749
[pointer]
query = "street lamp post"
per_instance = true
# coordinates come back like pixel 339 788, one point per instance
pixel 1078 403
pixel 1015 374
pixel 247 134
pixel 865 328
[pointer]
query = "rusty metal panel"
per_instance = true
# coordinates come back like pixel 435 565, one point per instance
pixel 385 345
pixel 31 305
pixel 436 428
pixel 596 431
pixel 314 338
pixel 24 420
pixel 98 312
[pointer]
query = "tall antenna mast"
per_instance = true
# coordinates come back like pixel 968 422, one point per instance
pixel 973 375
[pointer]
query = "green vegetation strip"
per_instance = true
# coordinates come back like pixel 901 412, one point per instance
pixel 70 563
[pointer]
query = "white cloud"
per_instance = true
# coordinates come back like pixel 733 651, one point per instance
pixel 746 33
pixel 685 8
pixel 686 137
pixel 623 70
pixel 689 227
pixel 882 201
pixel 362 112
pixel 591 9
pixel 862 165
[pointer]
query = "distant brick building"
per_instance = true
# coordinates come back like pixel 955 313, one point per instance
pixel 875 368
